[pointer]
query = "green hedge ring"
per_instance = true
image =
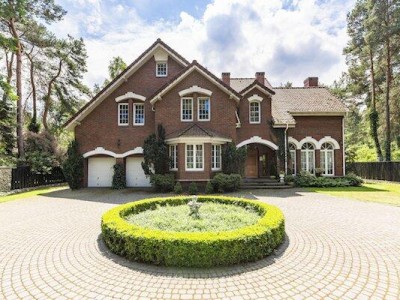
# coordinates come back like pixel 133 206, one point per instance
pixel 193 249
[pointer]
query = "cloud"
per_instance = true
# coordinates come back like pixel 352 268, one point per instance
pixel 288 39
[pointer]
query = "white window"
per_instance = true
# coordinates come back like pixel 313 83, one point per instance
pixel 255 112
pixel 194 157
pixel 203 106
pixel 161 69
pixel 292 152
pixel 308 158
pixel 173 156
pixel 327 159
pixel 216 157
pixel 187 109
pixel 138 114
pixel 123 114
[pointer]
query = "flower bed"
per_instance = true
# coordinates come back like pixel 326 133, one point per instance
pixel 193 249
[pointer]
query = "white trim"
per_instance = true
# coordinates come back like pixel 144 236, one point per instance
pixel 190 70
pixel 197 139
pixel 309 139
pixel 198 109
pixel 328 139
pixel 119 114
pixel 317 113
pixel 134 114
pixel 257 140
pixel 194 169
pixel 326 160
pixel 284 125
pixel 294 142
pixel 259 112
pixel 102 151
pixel 258 88
pixel 220 157
pixel 130 95
pixel 256 98
pixel 195 89
pixel 238 124
pixel 175 159
pixel 187 120
pixel 166 68
pixel 307 152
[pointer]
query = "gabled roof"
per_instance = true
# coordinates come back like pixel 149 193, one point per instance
pixel 116 82
pixel 259 86
pixel 195 131
pixel 239 84
pixel 185 72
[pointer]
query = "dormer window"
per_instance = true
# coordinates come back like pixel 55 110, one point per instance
pixel 255 112
pixel 161 69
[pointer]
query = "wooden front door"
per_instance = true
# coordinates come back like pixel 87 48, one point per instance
pixel 251 165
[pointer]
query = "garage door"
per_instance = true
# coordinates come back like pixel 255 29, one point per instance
pixel 135 176
pixel 100 171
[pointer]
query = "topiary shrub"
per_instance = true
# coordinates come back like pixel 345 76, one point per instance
pixel 73 166
pixel 193 190
pixel 178 188
pixel 209 188
pixel 226 183
pixel 119 179
pixel 193 249
pixel 162 183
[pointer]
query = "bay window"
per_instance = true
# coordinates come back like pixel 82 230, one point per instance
pixel 194 157
pixel 216 157
pixel 173 156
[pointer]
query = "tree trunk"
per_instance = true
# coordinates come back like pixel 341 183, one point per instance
pixel 388 147
pixel 18 73
pixel 47 102
pixel 33 84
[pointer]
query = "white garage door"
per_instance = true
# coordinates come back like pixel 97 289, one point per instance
pixel 100 171
pixel 135 176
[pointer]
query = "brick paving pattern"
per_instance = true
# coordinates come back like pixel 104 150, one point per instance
pixel 50 248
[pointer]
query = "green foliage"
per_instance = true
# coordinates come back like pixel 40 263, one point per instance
pixel 226 183
pixel 73 166
pixel 209 188
pixel 305 179
pixel 119 180
pixel 178 188
pixel 34 126
pixel 193 249
pixel 7 119
pixel 289 178
pixel 193 190
pixel 155 152
pixel 233 159
pixel 162 183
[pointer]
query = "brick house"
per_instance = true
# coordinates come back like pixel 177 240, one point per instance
pixel 284 129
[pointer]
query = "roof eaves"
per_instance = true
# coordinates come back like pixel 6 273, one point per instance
pixel 256 83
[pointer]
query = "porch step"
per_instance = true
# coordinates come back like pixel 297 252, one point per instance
pixel 263 183
pixel 257 187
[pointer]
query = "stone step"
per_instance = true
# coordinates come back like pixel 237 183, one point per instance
pixel 260 186
pixel 251 183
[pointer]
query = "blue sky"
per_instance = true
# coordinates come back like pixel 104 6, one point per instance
pixel 287 39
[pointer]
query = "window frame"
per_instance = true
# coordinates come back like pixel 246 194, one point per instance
pixel 324 153
pixel 307 154
pixel 173 158
pixel 192 108
pixel 194 169
pixel 214 157
pixel 119 114
pixel 293 157
pixel 259 112
pixel 166 68
pixel 134 114
pixel 198 109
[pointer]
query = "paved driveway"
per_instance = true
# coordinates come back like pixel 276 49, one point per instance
pixel 335 249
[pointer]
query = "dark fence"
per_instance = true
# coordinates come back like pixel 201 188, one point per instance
pixel 389 171
pixel 22 177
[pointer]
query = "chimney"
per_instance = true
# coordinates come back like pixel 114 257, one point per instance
pixel 260 77
pixel 311 82
pixel 226 78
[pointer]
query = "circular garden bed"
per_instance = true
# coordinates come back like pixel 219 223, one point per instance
pixel 226 231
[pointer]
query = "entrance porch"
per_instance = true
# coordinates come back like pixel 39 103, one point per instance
pixel 261 162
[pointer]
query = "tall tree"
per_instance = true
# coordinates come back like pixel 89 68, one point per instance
pixel 115 67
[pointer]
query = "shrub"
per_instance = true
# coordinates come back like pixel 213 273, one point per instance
pixel 353 179
pixel 289 178
pixel 193 249
pixel 162 183
pixel 155 153
pixel 119 180
pixel 178 188
pixel 305 179
pixel 226 183
pixel 193 190
pixel 73 166
pixel 233 159
pixel 209 188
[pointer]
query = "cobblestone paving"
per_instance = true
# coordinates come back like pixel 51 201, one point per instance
pixel 335 249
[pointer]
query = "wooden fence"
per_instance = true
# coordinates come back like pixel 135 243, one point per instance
pixel 389 171
pixel 22 177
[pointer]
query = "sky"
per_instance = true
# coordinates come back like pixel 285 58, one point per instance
pixel 289 40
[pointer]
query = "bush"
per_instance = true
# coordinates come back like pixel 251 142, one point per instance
pixel 178 188
pixel 289 178
pixel 119 180
pixel 193 249
pixel 353 179
pixel 162 183
pixel 233 159
pixel 73 166
pixel 209 188
pixel 193 190
pixel 226 183
pixel 305 179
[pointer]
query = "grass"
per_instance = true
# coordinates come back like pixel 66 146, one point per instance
pixel 23 195
pixel 380 192
pixel 213 217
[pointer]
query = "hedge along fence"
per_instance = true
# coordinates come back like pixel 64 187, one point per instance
pixel 193 249
pixel 389 171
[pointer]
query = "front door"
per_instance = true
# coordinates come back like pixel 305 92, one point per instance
pixel 251 165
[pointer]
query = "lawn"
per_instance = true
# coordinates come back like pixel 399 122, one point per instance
pixel 40 191
pixel 381 192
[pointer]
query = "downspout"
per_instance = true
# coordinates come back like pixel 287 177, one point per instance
pixel 343 146
pixel 286 166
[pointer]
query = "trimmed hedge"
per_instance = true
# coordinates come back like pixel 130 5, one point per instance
pixel 193 249
pixel 305 179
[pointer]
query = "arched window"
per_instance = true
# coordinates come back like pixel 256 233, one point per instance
pixel 308 158
pixel 292 152
pixel 327 159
